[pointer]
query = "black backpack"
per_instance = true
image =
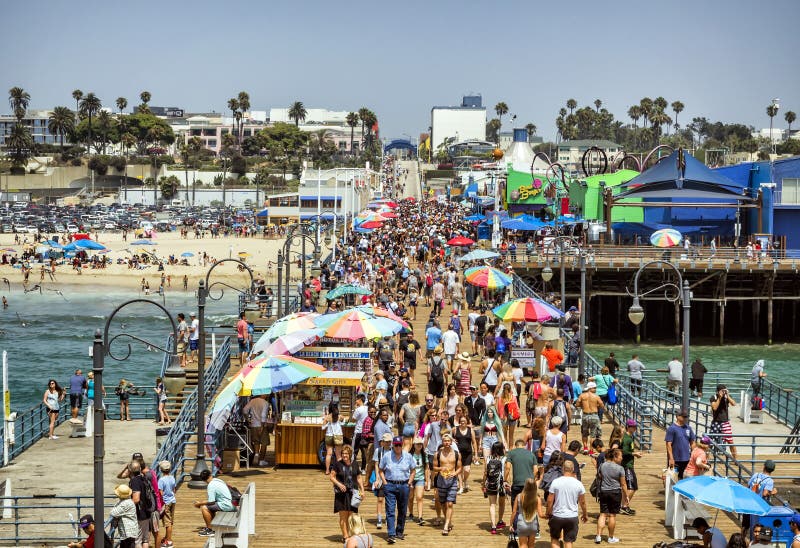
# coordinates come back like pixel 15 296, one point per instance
pixel 494 475
pixel 437 369
pixel 236 495
pixel 147 501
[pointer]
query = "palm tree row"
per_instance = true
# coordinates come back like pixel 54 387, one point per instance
pixel 19 140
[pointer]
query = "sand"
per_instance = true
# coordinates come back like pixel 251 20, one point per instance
pixel 261 252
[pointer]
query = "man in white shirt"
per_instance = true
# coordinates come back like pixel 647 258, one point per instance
pixel 567 494
pixel 194 336
pixel 471 318
pixel 450 342
pixel 674 373
pixel 359 415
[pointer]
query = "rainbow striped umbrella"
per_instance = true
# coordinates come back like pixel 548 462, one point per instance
pixel 356 324
pixel 666 237
pixel 263 375
pixel 488 277
pixel 527 309
pixel 296 321
pixel 288 343
pixel 382 312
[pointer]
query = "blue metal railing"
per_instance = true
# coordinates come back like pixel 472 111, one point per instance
pixel 185 424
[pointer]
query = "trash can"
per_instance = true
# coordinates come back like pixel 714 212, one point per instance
pixel 778 520
pixel 161 435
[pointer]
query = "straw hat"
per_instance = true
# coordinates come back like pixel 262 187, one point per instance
pixel 465 356
pixel 439 349
pixel 123 491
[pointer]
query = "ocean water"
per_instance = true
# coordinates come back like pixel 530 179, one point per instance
pixel 49 335
pixel 781 360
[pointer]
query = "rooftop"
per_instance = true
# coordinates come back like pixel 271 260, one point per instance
pixel 581 143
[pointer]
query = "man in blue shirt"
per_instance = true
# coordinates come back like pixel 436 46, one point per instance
pixel 433 337
pixel 77 383
pixel 396 470
pixel 679 440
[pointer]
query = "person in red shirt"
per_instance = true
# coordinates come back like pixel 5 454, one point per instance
pixel 87 524
pixel 241 334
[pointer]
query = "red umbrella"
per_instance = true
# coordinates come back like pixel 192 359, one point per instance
pixel 371 224
pixel 410 199
pixel 460 241
pixel 389 215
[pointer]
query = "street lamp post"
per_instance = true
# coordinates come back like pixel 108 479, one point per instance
pixel 175 380
pixel 673 292
pixel 203 291
pixel 291 236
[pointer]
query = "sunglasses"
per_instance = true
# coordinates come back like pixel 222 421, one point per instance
pixel 428 401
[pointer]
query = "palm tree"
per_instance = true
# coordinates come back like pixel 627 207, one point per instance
pixel 677 108
pixel 772 111
pixel 127 140
pixel 635 112
pixel 89 106
pixel 368 119
pixel 790 117
pixel 104 126
pixel 531 128
pixel 244 106
pixel 572 104
pixel 646 106
pixel 20 143
pixel 77 95
pixel 297 112
pixel 660 103
pixel 145 96
pixel 19 99
pixel 122 103
pixel 352 121
pixel 61 122
pixel 233 106
pixel 500 109
pixel 597 104
pixel 192 149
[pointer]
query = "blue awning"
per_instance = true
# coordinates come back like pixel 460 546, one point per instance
pixel 324 216
pixel 472 190
pixel 314 197
pixel 263 213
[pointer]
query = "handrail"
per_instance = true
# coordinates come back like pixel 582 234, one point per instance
pixel 699 255
pixel 48 528
pixel 185 424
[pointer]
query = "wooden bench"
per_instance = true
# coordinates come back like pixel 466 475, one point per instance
pixel 680 512
pixel 233 529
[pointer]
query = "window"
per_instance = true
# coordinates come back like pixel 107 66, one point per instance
pixel 210 132
pixel 308 203
pixel 790 193
pixel 212 143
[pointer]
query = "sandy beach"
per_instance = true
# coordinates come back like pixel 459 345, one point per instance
pixel 261 252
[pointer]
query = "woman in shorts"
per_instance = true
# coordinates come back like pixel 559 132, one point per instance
pixel 52 399
pixel 421 481
pixel 334 437
pixel 527 509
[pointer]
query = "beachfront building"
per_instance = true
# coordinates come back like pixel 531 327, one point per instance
pixel 333 122
pixel 37 122
pixel 570 153
pixel 458 123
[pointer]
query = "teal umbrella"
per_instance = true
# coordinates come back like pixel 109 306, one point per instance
pixel 347 289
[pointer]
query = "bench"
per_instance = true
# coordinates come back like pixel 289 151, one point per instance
pixel 680 512
pixel 233 529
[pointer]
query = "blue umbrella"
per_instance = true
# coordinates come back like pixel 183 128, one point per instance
pixel 88 244
pixel 723 494
pixel 476 217
pixel 143 242
pixel 187 254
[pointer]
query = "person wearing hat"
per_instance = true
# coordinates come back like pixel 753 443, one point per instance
pixel 629 455
pixel 698 460
pixel 721 428
pixel 421 480
pixel 194 337
pixel 397 471
pixel 166 484
pixel 383 447
pixel 462 377
pixel 123 516
pixel 437 367
pixel 712 537
pixel 794 525
pixel 763 539
pixel 679 439
pixel 591 404
pixel 86 523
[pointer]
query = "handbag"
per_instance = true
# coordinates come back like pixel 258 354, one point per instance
pixel 612 394
pixel 355 498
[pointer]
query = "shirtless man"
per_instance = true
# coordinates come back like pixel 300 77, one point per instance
pixel 447 466
pixel 590 403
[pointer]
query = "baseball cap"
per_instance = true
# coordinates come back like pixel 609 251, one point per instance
pixel 590 385
pixel 193 314
pixel 795 519
pixel 137 456
pixel 473 387
pixel 398 440
pixel 418 439
pixel 572 309
pixel 765 534
pixel 86 520
pixel 454 311
pixel 386 437
pixel 769 465
pixel 630 422
pixel 705 440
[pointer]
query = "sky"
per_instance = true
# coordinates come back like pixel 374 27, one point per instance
pixel 725 60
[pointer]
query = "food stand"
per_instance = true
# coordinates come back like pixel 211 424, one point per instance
pixel 299 435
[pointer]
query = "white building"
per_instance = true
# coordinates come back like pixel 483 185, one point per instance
pixel 570 153
pixel 461 123
pixel 314 117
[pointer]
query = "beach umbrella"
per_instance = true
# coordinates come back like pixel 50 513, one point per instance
pixel 389 215
pixel 722 494
pixel 475 218
pixel 88 244
pixel 296 321
pixel 371 224
pixel 244 254
pixel 522 224
pixel 287 344
pixel 187 254
pixel 9 250
pixel 355 324
pixel 51 243
pixel 528 309
pixel 460 241
pixel 382 312
pixel 347 289
pixel 143 242
pixel 666 237
pixel 478 255
pixel 488 277
pixel 262 375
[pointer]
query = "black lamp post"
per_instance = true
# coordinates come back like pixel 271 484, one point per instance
pixel 291 236
pixel 175 380
pixel 202 292
pixel 673 292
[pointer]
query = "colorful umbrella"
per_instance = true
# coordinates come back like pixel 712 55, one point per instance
pixel 347 289
pixel 478 255
pixel 143 242
pixel 384 313
pixel 356 324
pixel 486 276
pixel 666 237
pixel 460 241
pixel 723 494
pixel 187 254
pixel 296 321
pixel 287 344
pixel 527 309
pixel 371 224
pixel 389 215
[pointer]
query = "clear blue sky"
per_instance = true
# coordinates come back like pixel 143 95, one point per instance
pixel 723 59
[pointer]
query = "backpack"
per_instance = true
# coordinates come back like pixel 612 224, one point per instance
pixel 148 502
pixel 494 475
pixel 437 370
pixel 550 474
pixel 612 395
pixel 512 410
pixel 560 410
pixel 236 495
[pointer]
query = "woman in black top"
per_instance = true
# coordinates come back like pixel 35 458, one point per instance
pixel 346 479
pixel 464 436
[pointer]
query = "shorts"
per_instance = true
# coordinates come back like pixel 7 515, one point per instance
pixel 168 514
pixel 590 426
pixel 631 480
pixel 258 435
pixel 213 508
pixel 696 385
pixel 409 429
pixel 610 502
pixel 75 400
pixel 428 353
pixel 419 483
pixel 447 488
pixel 410 365
pixel 334 441
pixel 436 389
pixel 636 383
pixel 242 345
pixel 181 347
pixel 144 530
pixel 154 519
pixel 193 344
pixel 488 441
pixel 723 431
pixel 510 422
pixel 567 526
pixel 478 338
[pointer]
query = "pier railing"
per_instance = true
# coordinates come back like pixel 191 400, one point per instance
pixel 184 427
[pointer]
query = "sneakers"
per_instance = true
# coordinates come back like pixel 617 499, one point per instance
pixel 613 540
pixel 390 540
pixel 501 524
pixel 380 523
pixel 53 437
pixel 627 511
pixel 598 539
pixel 263 463
pixel 460 490
pixel 166 544
pixel 206 532
pixel 494 530
pixel 585 450
pixel 400 536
